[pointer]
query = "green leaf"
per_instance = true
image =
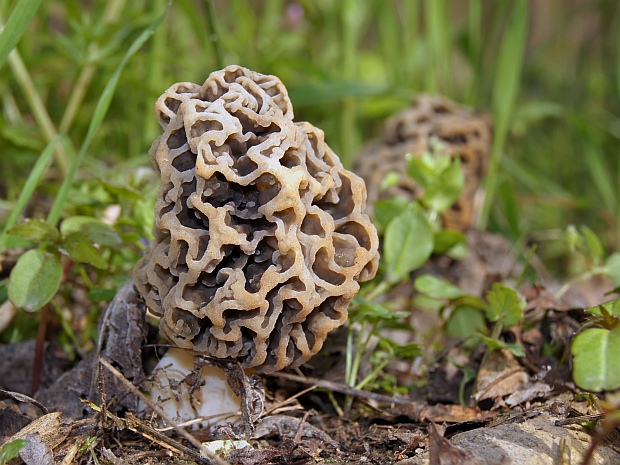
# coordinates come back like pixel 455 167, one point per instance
pixel 593 243
pixel 97 231
pixel 385 210
pixel 81 249
pixel 436 287
pixel 122 193
pixel 464 322
pixel 101 295
pixel 421 169
pixel 408 243
pixel 446 239
pixel 35 230
pixel 572 238
pixel 11 450
pixel 367 310
pixel 16 25
pixel 612 307
pixel 34 279
pixel 446 188
pixel 496 344
pixel 596 364
pixel 395 349
pixel 391 179
pixel 505 305
pixel 612 268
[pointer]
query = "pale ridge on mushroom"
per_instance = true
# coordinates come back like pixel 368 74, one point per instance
pixel 260 233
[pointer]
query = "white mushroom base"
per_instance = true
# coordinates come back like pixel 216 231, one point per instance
pixel 208 399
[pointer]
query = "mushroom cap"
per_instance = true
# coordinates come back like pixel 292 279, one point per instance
pixel 260 234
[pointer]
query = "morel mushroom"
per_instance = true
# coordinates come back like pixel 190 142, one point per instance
pixel 260 233
pixel 462 132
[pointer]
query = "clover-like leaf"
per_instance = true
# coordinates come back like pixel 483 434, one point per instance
pixel 35 279
pixel 465 321
pixel 596 365
pixel 505 305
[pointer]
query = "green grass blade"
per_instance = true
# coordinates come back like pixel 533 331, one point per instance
pixel 505 92
pixel 214 37
pixel 31 183
pixel 438 49
pixel 15 27
pixel 100 112
pixel 599 169
pixel 474 49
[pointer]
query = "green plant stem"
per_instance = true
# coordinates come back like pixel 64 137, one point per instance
pixel 154 79
pixel 37 365
pixel 379 289
pixel 351 12
pixel 39 112
pixel 410 39
pixel 474 35
pixel 578 279
pixel 438 49
pixel 214 36
pixel 349 354
pixel 362 384
pixel 363 339
pixel 495 334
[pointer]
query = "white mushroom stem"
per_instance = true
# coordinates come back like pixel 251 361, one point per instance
pixel 184 397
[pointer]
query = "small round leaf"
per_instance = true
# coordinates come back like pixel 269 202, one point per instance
pixel 408 243
pixel 596 365
pixel 34 279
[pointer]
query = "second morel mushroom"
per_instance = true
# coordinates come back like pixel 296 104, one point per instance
pixel 260 234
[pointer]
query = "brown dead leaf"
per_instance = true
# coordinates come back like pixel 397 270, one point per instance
pixel 539 298
pixel 441 452
pixel 530 391
pixel 453 413
pixel 499 376
pixel 42 436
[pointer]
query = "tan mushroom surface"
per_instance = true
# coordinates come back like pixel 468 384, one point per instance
pixel 260 234
pixel 461 131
